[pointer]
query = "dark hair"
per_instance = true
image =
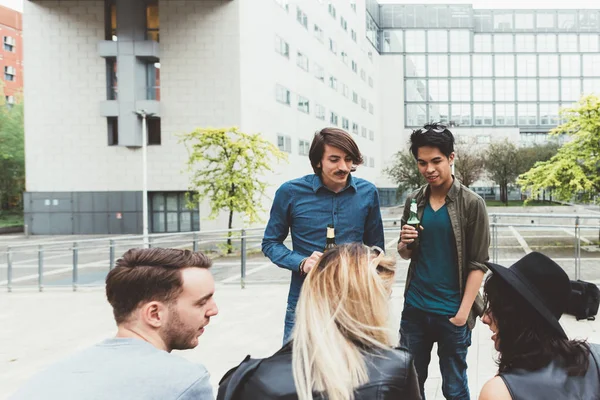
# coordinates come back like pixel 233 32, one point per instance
pixel 337 138
pixel 434 135
pixel 144 275
pixel 525 339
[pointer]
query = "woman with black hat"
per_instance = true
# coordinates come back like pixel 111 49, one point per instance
pixel 537 360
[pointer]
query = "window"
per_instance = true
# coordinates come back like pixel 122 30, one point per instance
pixel 460 65
pixel 318 32
pixel 548 65
pixel 282 47
pixel 353 34
pixel 503 43
pixel 549 113
pixel 416 115
pixel 371 135
pixel 345 123
pixel 171 213
pixel 483 139
pixel 355 128
pixel 460 90
pixel 504 65
pixel 438 90
pixel 438 65
pixel 482 65
pixel 110 20
pixel 461 114
pixel 319 72
pixel 363 75
pixel 588 43
pixel 437 41
pixel 284 4
pixel 331 9
pixel 363 103
pixel 505 89
pixel 363 131
pixel 567 43
pixel 152 21
pixel 546 43
pixel 284 143
pixel 333 119
pixel 303 147
pixel 353 5
pixel 482 43
pixel 503 21
pixel 460 41
pixel 527 113
pixel 9 73
pixel 153 81
pixel 524 21
pixel 153 124
pixel 345 90
pixel 415 65
pixel 332 46
pixel 320 112
pixel 112 125
pixel 344 57
pixel 439 112
pixel 570 89
pixel 302 61
pixel 9 43
pixel 526 65
pixel 344 24
pixel 111 77
pixel 482 90
pixel 415 41
pixel 371 162
pixel 282 95
pixel 355 97
pixel 301 17
pixel 505 114
pixel 525 43
pixel 546 21
pixel 527 90
pixel 303 104
pixel 482 114
pixel 333 82
pixel 591 65
pixel 570 65
pixel 370 81
pixel 354 66
pixel 9 100
pixel 371 110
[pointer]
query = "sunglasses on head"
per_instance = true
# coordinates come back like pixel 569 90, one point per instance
pixel 437 128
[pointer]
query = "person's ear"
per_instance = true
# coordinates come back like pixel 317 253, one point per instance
pixel 154 313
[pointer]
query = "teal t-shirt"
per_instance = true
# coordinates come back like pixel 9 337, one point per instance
pixel 435 287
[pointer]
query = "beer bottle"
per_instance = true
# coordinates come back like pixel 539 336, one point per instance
pixel 414 222
pixel 330 243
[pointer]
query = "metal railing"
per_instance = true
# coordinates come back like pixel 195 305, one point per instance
pixel 63 261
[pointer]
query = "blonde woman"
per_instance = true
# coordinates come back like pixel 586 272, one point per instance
pixel 341 346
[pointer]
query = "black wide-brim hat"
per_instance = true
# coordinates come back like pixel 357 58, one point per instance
pixel 543 284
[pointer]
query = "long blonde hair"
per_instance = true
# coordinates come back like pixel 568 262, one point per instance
pixel 343 308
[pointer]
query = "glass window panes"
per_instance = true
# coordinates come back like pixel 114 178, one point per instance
pixel 185 222
pixel 482 65
pixel 460 90
pixel 438 65
pixel 567 20
pixel 172 222
pixel 570 65
pixel 591 65
pixel 548 64
pixel 158 202
pixel 415 41
pixel 482 43
pixel 461 114
pixel 527 113
pixel 158 222
pixel 588 42
pixel 526 65
pixel 393 42
pixel 505 89
pixel 415 90
pixel 282 47
pixel 549 90
pixel 503 43
pixel 482 90
pixel 546 20
pixel 524 43
pixel 415 65
pixel 416 114
pixel 567 42
pixel 546 43
pixel 570 89
pixel 483 20
pixel 549 113
pixel 504 65
pixel 171 202
pixel 439 112
pixel 503 21
pixel 460 65
pixel 460 41
pixel 505 114
pixel 526 90
pixel 591 85
pixel 437 41
pixel 524 20
pixel 438 90
pixel 588 20
pixel 483 114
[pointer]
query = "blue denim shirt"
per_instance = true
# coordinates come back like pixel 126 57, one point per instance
pixel 305 206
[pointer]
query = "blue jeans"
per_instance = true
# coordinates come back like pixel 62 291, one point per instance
pixel 290 318
pixel 419 330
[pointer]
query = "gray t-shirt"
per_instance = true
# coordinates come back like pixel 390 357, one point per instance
pixel 120 368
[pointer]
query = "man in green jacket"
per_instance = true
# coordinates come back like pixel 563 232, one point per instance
pixel 447 266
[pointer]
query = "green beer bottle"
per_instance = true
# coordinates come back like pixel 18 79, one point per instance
pixel 415 223
pixel 330 243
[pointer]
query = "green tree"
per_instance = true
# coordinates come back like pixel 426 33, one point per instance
pixel 468 164
pixel 404 172
pixel 502 166
pixel 12 154
pixel 228 167
pixel 575 168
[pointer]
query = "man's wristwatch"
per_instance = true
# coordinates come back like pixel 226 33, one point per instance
pixel 301 267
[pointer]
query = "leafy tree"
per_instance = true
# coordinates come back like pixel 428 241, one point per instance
pixel 228 167
pixel 502 166
pixel 404 172
pixel 528 156
pixel 575 168
pixel 468 165
pixel 12 154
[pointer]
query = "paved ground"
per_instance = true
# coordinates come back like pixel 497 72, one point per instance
pixel 41 328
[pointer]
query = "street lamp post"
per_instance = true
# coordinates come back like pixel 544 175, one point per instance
pixel 144 115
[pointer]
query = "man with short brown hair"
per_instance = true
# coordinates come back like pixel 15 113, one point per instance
pixel 162 300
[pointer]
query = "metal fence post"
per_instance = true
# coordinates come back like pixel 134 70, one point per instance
pixel 495 239
pixel 577 249
pixel 75 266
pixel 243 260
pixel 41 268
pixel 9 269
pixel 195 242
pixel 111 255
pixel 149 242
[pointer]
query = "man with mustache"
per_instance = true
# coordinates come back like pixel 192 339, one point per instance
pixel 441 299
pixel 308 204
pixel 162 300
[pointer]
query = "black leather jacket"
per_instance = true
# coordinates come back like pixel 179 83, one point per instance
pixel 391 376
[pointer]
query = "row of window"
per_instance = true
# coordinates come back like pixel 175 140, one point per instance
pixel 502 65
pixel 525 89
pixel 10 73
pixel 284 96
pixel 484 114
pixel 464 41
pixel 9 43
pixel 284 143
pixel 171 213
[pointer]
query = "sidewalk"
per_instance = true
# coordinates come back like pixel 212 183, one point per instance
pixel 41 328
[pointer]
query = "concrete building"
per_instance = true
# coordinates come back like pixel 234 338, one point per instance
pixel 11 53
pixel 282 68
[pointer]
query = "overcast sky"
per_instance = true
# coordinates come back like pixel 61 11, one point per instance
pixel 14 4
